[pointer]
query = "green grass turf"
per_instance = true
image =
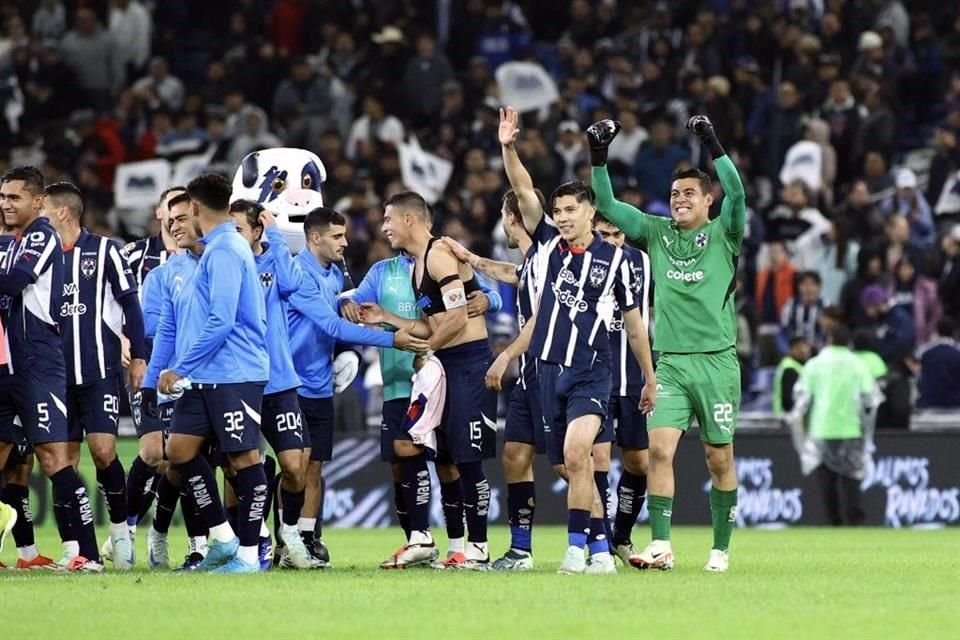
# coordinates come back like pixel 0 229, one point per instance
pixel 794 583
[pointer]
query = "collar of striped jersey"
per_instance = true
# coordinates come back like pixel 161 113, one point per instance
pixel 39 221
pixel 597 242
pixel 79 241
pixel 222 228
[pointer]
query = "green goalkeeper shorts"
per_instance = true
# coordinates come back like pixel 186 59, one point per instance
pixel 705 386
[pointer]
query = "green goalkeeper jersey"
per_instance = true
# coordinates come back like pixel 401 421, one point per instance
pixel 694 270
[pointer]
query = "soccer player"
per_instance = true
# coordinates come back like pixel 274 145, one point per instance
pixel 694 263
pixel 162 286
pixel 99 301
pixel 31 285
pixel 624 417
pixel 145 256
pixel 282 422
pixel 468 425
pixel 315 328
pixel 221 353
pixel 582 279
pixel 388 283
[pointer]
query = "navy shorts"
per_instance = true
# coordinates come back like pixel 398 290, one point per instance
pixel 144 423
pixel 37 395
pixel 391 427
pixel 93 407
pixel 226 413
pixel 282 421
pixel 568 393
pixel 468 428
pixel 627 422
pixel 318 416
pixel 524 417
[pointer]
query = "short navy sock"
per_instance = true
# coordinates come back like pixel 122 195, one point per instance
pixel 415 479
pixel 251 503
pixel 630 495
pixel 451 497
pixel 476 499
pixel 113 485
pixel 578 527
pixel 167 497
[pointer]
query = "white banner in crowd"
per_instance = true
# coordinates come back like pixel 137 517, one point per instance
pixel 189 167
pixel 139 184
pixel 423 172
pixel 526 86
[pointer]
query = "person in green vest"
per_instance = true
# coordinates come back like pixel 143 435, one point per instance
pixel 841 396
pixel 388 283
pixel 787 374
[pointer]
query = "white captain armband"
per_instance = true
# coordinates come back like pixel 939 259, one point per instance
pixel 454 298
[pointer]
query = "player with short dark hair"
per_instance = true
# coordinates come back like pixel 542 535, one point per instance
pixel 282 423
pixel 468 423
pixel 221 368
pixel 33 406
pixel 694 261
pixel 145 256
pixel 315 330
pixel 624 418
pixel 99 304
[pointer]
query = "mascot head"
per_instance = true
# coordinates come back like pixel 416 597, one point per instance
pixel 286 181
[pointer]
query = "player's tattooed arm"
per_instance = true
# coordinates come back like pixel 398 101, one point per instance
pixel 499 271
pixel 494 376
pixel 517 174
pixel 640 345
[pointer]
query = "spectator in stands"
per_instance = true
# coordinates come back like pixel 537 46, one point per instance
pixel 624 148
pixel 130 27
pixel 503 34
pixel 787 374
pixel 833 255
pixel 374 127
pixel 892 326
pixel 91 52
pixel 424 79
pixel 948 272
pixel 940 369
pixel 909 201
pixel 159 88
pixel 844 115
pixel 253 134
pixel 800 316
pixel 945 162
pixel 877 128
pixel 774 284
pixel 897 242
pixel 916 294
pixel 571 147
pixel 49 21
pixel 878 178
pixel 308 103
pixel 775 126
pixel 796 219
pixel 657 159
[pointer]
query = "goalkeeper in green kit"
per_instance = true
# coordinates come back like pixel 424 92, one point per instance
pixel 694 263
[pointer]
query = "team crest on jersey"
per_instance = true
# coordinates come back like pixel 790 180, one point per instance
pixel 597 275
pixel 701 240
pixel 88 267
pixel 266 279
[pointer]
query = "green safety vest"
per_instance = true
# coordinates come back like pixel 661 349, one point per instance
pixel 786 363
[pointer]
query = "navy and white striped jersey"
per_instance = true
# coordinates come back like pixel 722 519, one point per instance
pixel 627 375
pixel 95 278
pixel 30 316
pixel 527 293
pixel 577 294
pixel 144 255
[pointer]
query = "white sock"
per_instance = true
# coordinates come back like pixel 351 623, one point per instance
pixel 421 537
pixel 198 544
pixel 120 530
pixel 288 528
pixel 248 555
pixel 264 532
pixel 71 549
pixel 307 524
pixel 222 532
pixel 455 545
pixel 28 552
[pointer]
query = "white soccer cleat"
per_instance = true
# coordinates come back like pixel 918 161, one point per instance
pixel 601 564
pixel 657 555
pixel 106 550
pixel 719 561
pixel 411 555
pixel 628 554
pixel 123 559
pixel 514 560
pixel 158 549
pixel 294 554
pixel 575 561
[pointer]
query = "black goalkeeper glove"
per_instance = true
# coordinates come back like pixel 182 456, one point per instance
pixel 600 135
pixel 701 127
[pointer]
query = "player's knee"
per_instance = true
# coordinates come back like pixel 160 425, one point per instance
pixel 405 448
pixel 516 457
pixel 576 459
pixel 151 450
pixel 636 462
pixel 52 459
pixel 719 461
pixel 103 455
pixel 447 473
pixel 661 454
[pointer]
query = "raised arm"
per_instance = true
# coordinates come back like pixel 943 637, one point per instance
pixel 631 220
pixel 517 174
pixel 733 210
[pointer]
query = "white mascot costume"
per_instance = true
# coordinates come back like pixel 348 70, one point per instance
pixel 288 182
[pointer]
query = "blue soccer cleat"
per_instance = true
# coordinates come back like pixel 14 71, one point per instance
pixel 219 554
pixel 236 565
pixel 265 553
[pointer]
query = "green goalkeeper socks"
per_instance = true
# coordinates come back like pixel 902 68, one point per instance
pixel 661 510
pixel 723 512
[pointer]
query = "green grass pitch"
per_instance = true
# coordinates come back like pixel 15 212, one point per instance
pixel 793 583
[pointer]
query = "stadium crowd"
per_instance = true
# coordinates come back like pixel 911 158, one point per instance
pixel 842 115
